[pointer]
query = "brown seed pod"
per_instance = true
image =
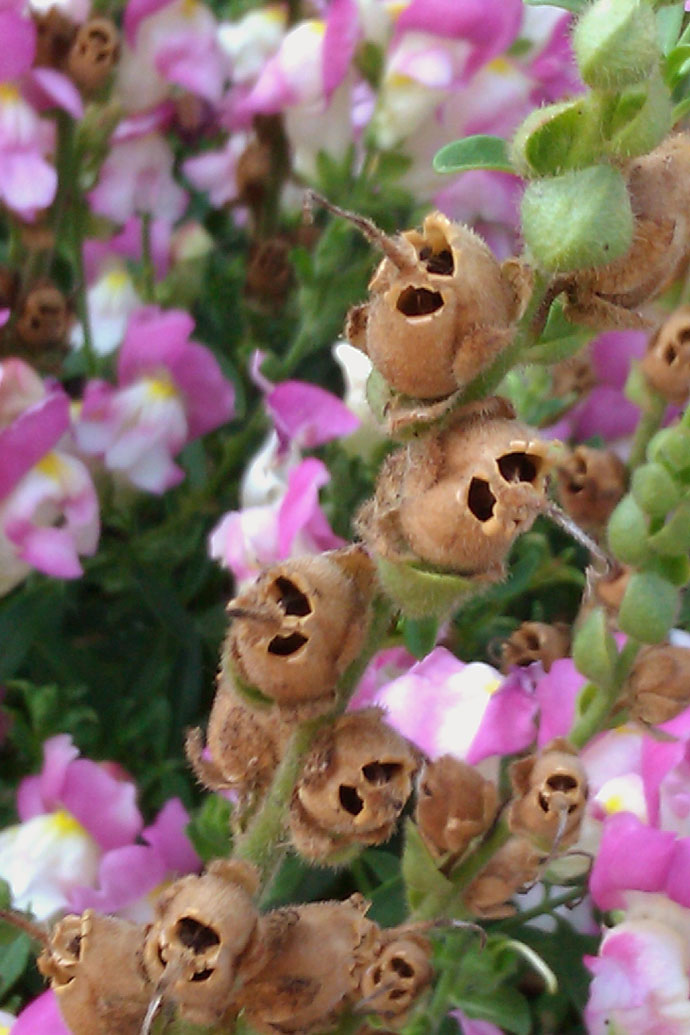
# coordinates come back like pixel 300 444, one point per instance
pixel 454 804
pixel 54 35
pixel 353 787
pixel 44 317
pixel 440 308
pixel 513 866
pixel 94 964
pixel 658 687
pixel 93 53
pixel 397 976
pixel 269 271
pixel 204 939
pixel 666 364
pixel 311 978
pixel 253 173
pixel 549 796
pixel 9 287
pixel 590 483
pixel 574 376
pixel 536 641
pixel 458 498
pixel 300 625
pixel 612 295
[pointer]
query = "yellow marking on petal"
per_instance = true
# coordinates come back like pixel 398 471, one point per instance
pixel 65 824
pixel 52 466
pixel 276 14
pixel 117 280
pixel 317 26
pixel 9 94
pixel 189 8
pixel 158 388
pixel 396 7
pixel 399 79
pixel 501 66
pixel 492 685
pixel 613 804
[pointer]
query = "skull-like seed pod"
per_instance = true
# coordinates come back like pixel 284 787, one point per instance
pixel 440 309
pixel 590 483
pixel 54 35
pixel 549 796
pixel 311 978
pixel 535 641
pixel 204 931
pixel 94 964
pixel 354 785
pixel 666 364
pixel 658 687
pixel 455 803
pixel 44 317
pixel 93 53
pixel 300 625
pixel 401 971
pixel 457 498
pixel 513 866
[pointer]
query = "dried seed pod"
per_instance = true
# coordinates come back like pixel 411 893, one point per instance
pixel 574 376
pixel 550 794
pixel 536 641
pixel 590 483
pixel 54 35
pixel 353 787
pixel 44 317
pixel 253 173
pixel 454 804
pixel 205 932
pixel 9 286
pixel 94 964
pixel 93 53
pixel 514 865
pixel 666 364
pixel 458 498
pixel 440 308
pixel 310 979
pixel 658 687
pixel 611 295
pixel 300 625
pixel 269 272
pixel 401 971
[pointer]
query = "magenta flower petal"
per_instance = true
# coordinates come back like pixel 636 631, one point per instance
pixel 30 437
pixel 385 666
pixel 17 44
pixel 632 857
pixel 309 415
pixel 613 352
pixel 658 758
pixel 167 836
pixel 135 13
pixel 41 1017
pixel 50 550
pixel 340 41
pixel 300 502
pixel 48 88
pixel 104 806
pixel 42 793
pixel 491 24
pixel 125 874
pixel 508 724
pixel 557 691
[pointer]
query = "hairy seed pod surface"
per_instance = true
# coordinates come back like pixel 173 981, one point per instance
pixel 590 482
pixel 513 866
pixel 93 53
pixel 535 641
pixel 666 364
pixel 44 317
pixel 658 686
pixel 455 803
pixel 400 973
pixel 549 796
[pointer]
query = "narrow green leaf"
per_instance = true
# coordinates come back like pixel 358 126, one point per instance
pixel 504 1007
pixel 576 6
pixel 477 152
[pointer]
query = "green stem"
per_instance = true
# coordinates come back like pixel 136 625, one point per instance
pixel 593 719
pixel 648 424
pixel 148 276
pixel 545 908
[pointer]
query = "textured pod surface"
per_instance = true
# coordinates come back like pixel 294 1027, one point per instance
pixel 550 794
pixel 397 976
pixel 455 803
pixel 93 53
pixel 658 686
pixel 666 364
pixel 590 483
pixel 535 641
pixel 44 317
pixel 513 866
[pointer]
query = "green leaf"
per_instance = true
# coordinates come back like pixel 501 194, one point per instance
pixel 477 152
pixel 209 828
pixel 420 873
pixel 669 21
pixel 15 952
pixel 576 6
pixel 420 635
pixel 504 1007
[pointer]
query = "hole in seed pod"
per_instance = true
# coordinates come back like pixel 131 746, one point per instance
pixel 74 947
pixel 562 782
pixel 203 975
pixel 670 354
pixel 402 967
pixel 543 802
pixel 398 993
pixel 518 467
pixel 292 600
pixel 438 262
pixel 350 800
pixel 531 641
pixel 285 645
pixel 419 301
pixel 194 935
pixel 380 772
pixel 480 499
pixel 376 976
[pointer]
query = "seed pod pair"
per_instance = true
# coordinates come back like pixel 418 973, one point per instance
pixel 666 364
pixel 441 308
pixel 353 787
pixel 549 796
pixel 455 804
pixel 590 483
pixel 658 687
pixel 457 498
pixel 535 641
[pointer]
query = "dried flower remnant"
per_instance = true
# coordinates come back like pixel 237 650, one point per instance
pixel 516 864
pixel 455 804
pixel 590 483
pixel 549 796
pixel 458 498
pixel 44 318
pixel 535 641
pixel 402 969
pixel 353 787
pixel 55 33
pixel 300 625
pixel 94 964
pixel 93 54
pixel 666 365
pixel 658 687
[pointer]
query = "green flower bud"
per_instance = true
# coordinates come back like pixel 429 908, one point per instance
pixel 641 119
pixel 419 593
pixel 579 220
pixel 594 649
pixel 556 138
pixel 649 607
pixel 628 532
pixel 654 489
pixel 671 447
pixel 673 540
pixel 615 43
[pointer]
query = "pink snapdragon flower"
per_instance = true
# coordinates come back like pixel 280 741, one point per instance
pixel 137 179
pixel 170 391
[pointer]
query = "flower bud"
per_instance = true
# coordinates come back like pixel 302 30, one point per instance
pixel 666 364
pixel 615 43
pixel 514 865
pixel 440 310
pixel 457 498
pixel 654 489
pixel 94 966
pixel 590 484
pixel 353 787
pixel 638 134
pixel 391 984
pixel 300 625
pixel 550 794
pixel 555 138
pixel 628 532
pixel 536 641
pixel 671 447
pixel 44 318
pixel 649 607
pixel 455 804
pixel 93 54
pixel 658 686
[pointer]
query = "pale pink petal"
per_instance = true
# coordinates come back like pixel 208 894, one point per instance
pixel 343 31
pixel 557 691
pixel 135 12
pixel 52 89
pixel 125 875
pixel 167 835
pixel 508 724
pixel 41 1017
pixel 300 501
pixel 50 550
pixel 106 807
pixel 384 667
pixel 309 414
pixel 27 182
pixel 42 793
pixel 659 757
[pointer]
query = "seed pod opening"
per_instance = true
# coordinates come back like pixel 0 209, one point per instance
pixel 93 53
pixel 44 317
pixel 400 973
pixel 454 804
pixel 590 483
pixel 300 625
pixel 550 794
pixel 658 687
pixel 666 364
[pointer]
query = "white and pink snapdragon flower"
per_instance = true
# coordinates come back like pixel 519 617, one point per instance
pixel 170 391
